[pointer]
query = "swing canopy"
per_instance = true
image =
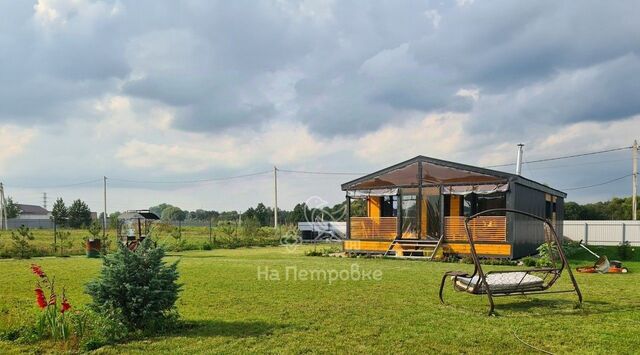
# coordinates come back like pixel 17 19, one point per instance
pixel 538 280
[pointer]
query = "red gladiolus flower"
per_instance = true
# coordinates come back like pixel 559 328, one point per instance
pixel 40 299
pixel 37 269
pixel 65 306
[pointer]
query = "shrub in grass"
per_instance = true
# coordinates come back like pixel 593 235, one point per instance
pixel 137 288
pixel 625 252
pixel 20 239
pixel 529 261
pixel 322 252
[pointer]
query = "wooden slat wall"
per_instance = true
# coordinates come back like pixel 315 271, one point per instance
pixel 373 228
pixel 483 229
pixel 481 249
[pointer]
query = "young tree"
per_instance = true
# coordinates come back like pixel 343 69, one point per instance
pixel 21 242
pixel 137 287
pixel 95 227
pixel 59 213
pixel 12 209
pixel 79 214
pixel 64 241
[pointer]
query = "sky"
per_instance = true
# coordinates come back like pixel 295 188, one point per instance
pixel 156 95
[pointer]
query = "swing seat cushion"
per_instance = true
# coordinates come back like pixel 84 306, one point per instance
pixel 502 282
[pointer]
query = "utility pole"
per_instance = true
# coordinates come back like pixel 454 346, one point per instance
pixel 44 200
pixel 519 159
pixel 4 224
pixel 104 215
pixel 634 188
pixel 275 197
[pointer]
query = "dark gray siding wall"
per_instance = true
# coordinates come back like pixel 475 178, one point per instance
pixel 559 217
pixel 526 234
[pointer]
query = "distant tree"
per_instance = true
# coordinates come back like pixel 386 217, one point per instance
pixel 159 208
pixel 12 209
pixel 263 214
pixel 614 209
pixel 173 213
pixel 298 214
pixel 79 214
pixel 113 219
pixel 59 213
pixel 572 211
pixel 228 216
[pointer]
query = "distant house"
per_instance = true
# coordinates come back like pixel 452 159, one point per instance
pixel 31 216
pixel 32 212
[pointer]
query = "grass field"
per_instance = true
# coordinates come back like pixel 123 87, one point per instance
pixel 194 239
pixel 228 309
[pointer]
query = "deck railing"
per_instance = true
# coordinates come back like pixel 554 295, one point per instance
pixel 374 227
pixel 483 229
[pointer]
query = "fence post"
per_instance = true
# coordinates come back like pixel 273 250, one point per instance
pixel 624 232
pixel 586 233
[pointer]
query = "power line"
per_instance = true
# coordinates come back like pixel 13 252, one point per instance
pixel 60 186
pixel 320 172
pixel 598 184
pixel 563 157
pixel 190 181
pixel 578 164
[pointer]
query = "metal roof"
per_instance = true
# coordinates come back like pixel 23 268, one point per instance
pixel 140 214
pixel 440 172
pixel 31 209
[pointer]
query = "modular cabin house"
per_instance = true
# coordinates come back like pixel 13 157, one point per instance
pixel 417 209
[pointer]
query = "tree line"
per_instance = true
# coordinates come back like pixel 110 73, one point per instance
pixel 78 214
pixel 615 209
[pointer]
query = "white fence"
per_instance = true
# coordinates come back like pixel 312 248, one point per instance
pixel 603 232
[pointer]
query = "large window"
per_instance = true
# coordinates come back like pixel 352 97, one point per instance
pixel 474 203
pixel 389 206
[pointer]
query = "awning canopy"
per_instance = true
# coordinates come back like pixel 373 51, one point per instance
pixel 430 171
pixel 476 189
pixel 375 192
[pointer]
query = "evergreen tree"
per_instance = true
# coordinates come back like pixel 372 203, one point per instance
pixel 79 214
pixel 59 213
pixel 12 209
pixel 137 287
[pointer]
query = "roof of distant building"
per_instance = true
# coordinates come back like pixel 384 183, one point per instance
pixel 31 209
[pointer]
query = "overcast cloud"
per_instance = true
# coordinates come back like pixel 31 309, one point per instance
pixel 167 90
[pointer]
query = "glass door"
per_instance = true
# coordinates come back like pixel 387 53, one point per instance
pixel 430 213
pixel 409 222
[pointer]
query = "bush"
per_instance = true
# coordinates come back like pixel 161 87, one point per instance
pixel 322 252
pixel 625 252
pixel 137 288
pixel 529 261
pixel 93 330
pixel 571 248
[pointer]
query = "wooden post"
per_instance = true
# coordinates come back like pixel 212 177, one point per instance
pixel 348 236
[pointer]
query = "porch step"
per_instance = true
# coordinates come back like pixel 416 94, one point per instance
pixel 400 247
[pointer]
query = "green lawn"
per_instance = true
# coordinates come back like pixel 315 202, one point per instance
pixel 229 310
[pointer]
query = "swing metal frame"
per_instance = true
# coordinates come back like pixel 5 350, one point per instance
pixel 481 286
